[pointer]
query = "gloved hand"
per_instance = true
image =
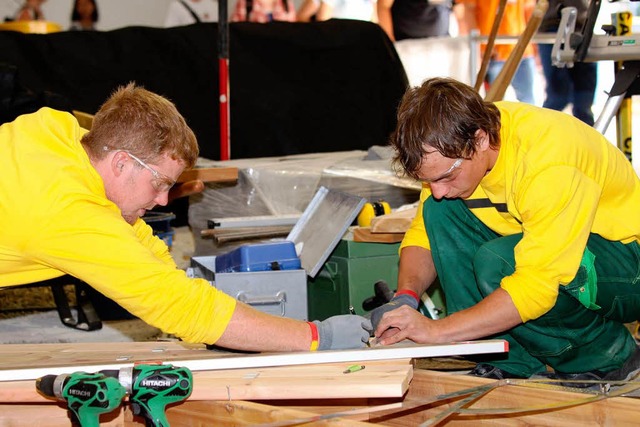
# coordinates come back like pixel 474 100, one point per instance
pixel 344 331
pixel 396 301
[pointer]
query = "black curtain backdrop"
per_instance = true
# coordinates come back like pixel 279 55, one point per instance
pixel 295 88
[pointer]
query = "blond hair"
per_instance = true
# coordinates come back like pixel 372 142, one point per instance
pixel 144 123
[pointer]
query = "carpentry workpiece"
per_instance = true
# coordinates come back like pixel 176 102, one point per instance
pixel 30 361
pixel 385 392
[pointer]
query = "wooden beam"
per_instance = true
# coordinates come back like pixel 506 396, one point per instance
pixel 364 234
pixel 616 411
pixel 378 379
pixel 221 174
pixel 244 413
pixel 395 222
pixel 189 413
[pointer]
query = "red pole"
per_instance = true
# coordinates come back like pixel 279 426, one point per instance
pixel 225 142
pixel 223 72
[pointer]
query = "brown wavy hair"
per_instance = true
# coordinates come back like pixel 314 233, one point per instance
pixel 443 114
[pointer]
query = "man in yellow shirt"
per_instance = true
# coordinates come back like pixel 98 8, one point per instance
pixel 72 203
pixel 530 219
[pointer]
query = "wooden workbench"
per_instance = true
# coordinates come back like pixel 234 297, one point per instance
pixel 386 392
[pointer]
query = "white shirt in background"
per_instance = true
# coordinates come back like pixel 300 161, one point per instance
pixel 178 14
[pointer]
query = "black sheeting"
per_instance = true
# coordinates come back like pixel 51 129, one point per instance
pixel 295 88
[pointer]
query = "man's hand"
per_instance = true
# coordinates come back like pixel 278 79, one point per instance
pixel 405 323
pixel 396 301
pixel 345 331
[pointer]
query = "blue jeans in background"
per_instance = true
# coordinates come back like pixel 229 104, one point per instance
pixel 576 85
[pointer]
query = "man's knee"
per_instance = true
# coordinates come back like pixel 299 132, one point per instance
pixel 493 261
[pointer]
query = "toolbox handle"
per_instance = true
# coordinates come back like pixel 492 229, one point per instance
pixel 279 298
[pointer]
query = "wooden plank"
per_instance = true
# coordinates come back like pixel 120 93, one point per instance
pixel 378 379
pixel 364 234
pixel 56 415
pixel 221 174
pixel 243 413
pixel 18 363
pixel 616 411
pixel 395 222
pixel 189 413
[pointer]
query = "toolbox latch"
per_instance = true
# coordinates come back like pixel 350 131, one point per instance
pixel 278 299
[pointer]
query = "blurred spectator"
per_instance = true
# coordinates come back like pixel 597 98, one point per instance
pixel 576 85
pixel 186 12
pixel 30 11
pixel 321 10
pixel 480 14
pixel 264 11
pixel 84 15
pixel 414 19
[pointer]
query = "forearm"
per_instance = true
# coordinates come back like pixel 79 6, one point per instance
pixel 325 12
pixel 306 11
pixel 416 270
pixel 253 330
pixel 494 314
pixel 385 21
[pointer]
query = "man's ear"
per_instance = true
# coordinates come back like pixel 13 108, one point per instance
pixel 482 140
pixel 118 162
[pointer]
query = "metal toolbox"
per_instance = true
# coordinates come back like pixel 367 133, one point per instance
pixel 284 292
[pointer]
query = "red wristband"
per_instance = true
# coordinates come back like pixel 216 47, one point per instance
pixel 314 336
pixel 410 293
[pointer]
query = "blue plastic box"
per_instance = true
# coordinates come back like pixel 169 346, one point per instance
pixel 259 257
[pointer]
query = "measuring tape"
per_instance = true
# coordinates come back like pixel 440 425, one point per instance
pixel 372 210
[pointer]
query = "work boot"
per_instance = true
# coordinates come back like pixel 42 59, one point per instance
pixel 484 370
pixel 629 371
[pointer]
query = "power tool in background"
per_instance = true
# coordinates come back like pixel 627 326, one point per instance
pixel 372 210
pixel 152 387
pixel 87 395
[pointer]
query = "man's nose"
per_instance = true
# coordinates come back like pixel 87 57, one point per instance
pixel 439 190
pixel 162 199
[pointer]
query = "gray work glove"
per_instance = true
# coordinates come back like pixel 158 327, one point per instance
pixel 344 331
pixel 396 301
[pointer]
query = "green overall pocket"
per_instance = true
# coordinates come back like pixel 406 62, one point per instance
pixel 584 287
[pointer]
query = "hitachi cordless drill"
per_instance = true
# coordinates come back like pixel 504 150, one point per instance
pixel 87 395
pixel 152 387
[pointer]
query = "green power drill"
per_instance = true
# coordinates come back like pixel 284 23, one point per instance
pixel 152 387
pixel 87 395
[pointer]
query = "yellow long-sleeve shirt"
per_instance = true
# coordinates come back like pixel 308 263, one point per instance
pixel 56 219
pixel 560 180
